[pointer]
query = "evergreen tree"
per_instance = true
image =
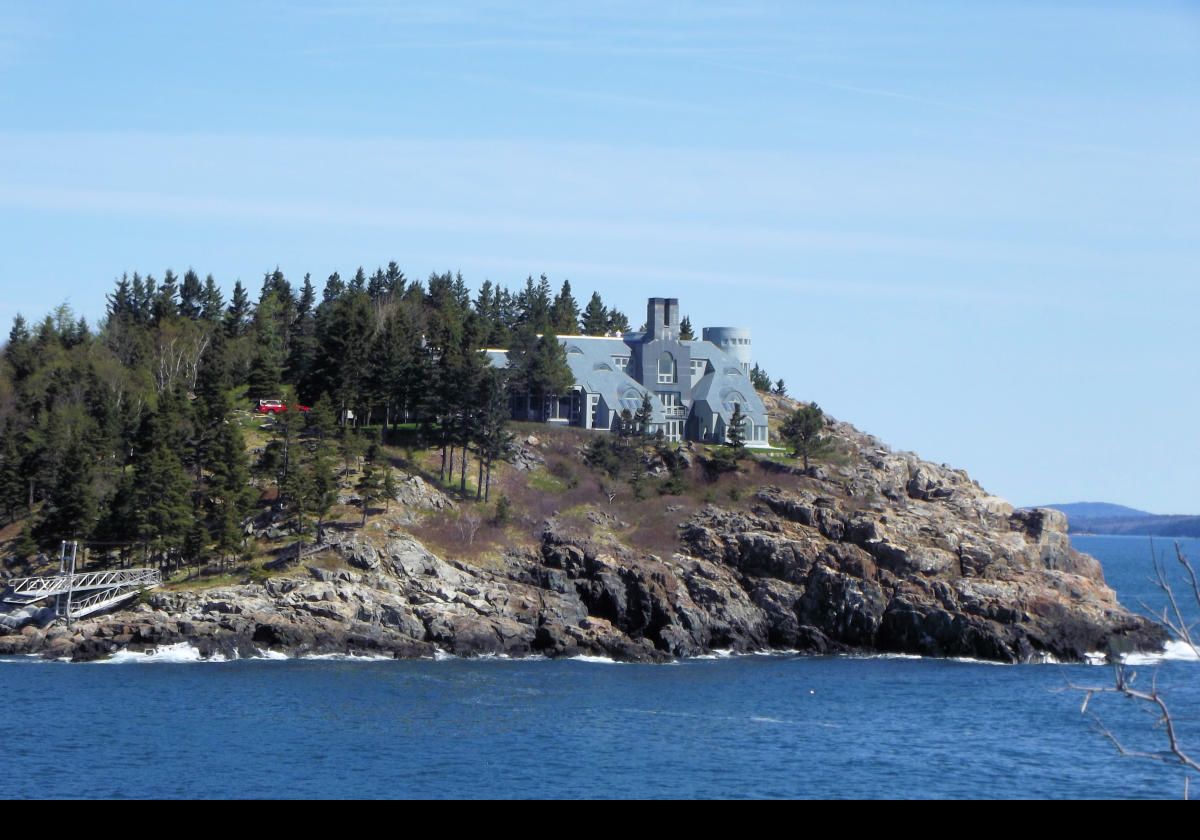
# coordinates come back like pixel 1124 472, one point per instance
pixel 377 287
pixel 392 358
pixel 19 350
pixel 334 288
pixel 370 489
pixel 564 312
pixel 759 379
pixel 533 305
pixel 71 506
pixel 140 299
pixel 191 296
pixel 212 302
pixel 804 431
pixel 302 349
pixel 390 488
pixel 644 418
pixel 342 366
pixel 395 280
pixel 230 495
pixel 685 330
pixel 595 316
pixel 13 490
pixel 548 374
pixel 195 551
pixel 237 317
pixel 120 302
pixel 321 422
pixel 164 511
pixel 492 438
pixel 618 324
pixel 735 435
pixel 25 546
pixel 166 306
pixel 266 366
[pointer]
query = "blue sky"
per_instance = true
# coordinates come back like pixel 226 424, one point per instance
pixel 968 228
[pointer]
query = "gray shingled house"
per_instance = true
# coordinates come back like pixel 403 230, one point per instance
pixel 694 386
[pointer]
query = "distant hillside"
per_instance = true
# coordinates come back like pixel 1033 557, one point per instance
pixel 1104 518
pixel 1099 510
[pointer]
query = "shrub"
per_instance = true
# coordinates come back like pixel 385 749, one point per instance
pixel 503 512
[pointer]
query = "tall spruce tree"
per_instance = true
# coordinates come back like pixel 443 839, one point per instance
pixel 686 333
pixel 71 505
pixel 735 435
pixel 595 316
pixel 564 312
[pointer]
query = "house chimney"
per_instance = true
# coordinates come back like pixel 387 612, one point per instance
pixel 662 318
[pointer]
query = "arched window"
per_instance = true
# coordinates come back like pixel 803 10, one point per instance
pixel 666 369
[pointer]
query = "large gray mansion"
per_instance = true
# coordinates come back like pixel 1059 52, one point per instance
pixel 694 386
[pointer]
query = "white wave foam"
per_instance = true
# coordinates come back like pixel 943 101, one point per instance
pixel 1175 651
pixel 29 659
pixel 183 652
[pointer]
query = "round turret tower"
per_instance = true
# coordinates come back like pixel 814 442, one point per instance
pixel 733 340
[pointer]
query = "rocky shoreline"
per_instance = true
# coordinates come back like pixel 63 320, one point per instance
pixel 893 555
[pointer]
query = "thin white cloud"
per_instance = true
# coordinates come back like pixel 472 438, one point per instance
pixel 181 205
pixel 583 95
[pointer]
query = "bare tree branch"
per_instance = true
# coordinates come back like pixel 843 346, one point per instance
pixel 1152 701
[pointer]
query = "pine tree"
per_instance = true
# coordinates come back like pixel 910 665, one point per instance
pixel 71 506
pixel 163 503
pixel 804 431
pixel 370 489
pixel 534 304
pixel 390 488
pixel 492 438
pixel 735 435
pixel 120 302
pixel 780 389
pixel 595 316
pixel 334 288
pixel 266 366
pixel 549 375
pixel 19 350
pixel 564 312
pixel 13 489
pixel 685 330
pixel 237 317
pixel 618 324
pixel 759 379
pixel 212 302
pixel 191 296
pixel 166 306
pixel 302 349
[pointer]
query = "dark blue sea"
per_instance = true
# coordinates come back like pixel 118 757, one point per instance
pixel 744 727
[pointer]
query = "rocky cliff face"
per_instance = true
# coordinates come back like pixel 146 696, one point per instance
pixel 886 554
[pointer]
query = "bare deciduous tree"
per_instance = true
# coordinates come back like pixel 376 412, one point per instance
pixel 468 525
pixel 1125 679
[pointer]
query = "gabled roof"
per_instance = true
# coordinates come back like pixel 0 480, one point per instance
pixel 726 385
pixel 591 361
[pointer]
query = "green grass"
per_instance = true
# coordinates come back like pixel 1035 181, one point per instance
pixel 544 482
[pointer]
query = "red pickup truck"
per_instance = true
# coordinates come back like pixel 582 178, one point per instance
pixel 276 407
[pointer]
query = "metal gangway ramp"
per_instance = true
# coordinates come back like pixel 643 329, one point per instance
pixel 79 595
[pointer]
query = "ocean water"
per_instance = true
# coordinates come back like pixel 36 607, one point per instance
pixel 730 727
